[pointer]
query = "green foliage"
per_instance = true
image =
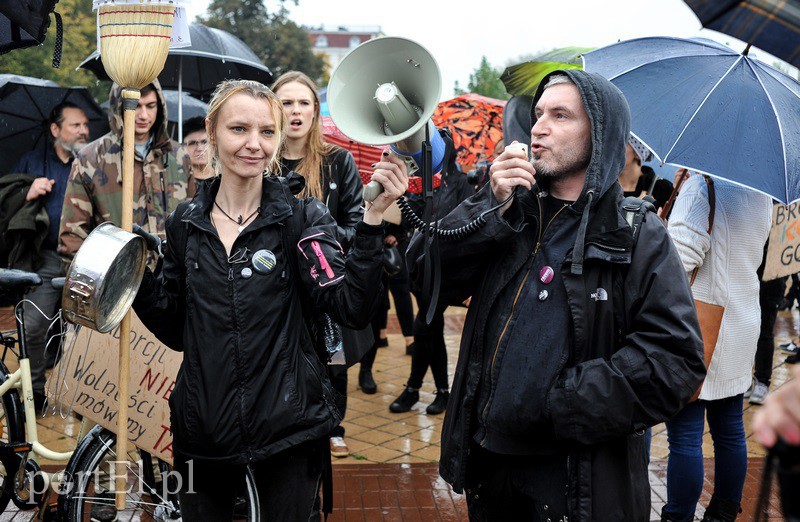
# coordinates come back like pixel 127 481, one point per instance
pixel 79 41
pixel 485 80
pixel 280 43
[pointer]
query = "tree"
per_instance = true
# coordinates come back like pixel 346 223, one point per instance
pixel 280 43
pixel 80 39
pixel 484 81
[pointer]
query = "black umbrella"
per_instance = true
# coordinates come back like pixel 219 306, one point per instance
pixel 23 23
pixel 771 25
pixel 25 105
pixel 214 56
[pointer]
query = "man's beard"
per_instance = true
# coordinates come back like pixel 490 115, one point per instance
pixel 572 162
pixel 73 147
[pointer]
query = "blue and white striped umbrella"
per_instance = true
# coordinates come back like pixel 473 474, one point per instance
pixel 698 104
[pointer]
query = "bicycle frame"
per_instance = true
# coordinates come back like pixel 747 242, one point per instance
pixel 21 381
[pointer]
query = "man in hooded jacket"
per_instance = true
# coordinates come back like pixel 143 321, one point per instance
pixel 578 336
pixel 161 175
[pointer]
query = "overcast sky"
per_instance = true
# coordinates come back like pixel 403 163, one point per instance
pixel 504 30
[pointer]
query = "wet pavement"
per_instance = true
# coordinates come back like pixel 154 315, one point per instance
pixel 391 473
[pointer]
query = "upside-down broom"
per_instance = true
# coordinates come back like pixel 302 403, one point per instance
pixel 134 43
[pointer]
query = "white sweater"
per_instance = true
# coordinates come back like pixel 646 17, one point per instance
pixel 728 261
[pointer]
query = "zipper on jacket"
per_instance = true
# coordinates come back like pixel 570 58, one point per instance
pixel 516 298
pixel 246 435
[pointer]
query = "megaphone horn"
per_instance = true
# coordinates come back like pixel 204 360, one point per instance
pixel 384 92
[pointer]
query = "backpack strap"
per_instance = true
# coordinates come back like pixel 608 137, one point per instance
pixel 635 210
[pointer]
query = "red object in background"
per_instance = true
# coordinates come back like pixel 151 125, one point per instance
pixel 476 123
pixel 366 155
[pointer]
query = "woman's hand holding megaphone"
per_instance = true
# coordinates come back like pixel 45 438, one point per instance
pixel 391 173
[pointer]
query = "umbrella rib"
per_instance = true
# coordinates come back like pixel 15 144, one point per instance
pixel 708 94
pixel 780 128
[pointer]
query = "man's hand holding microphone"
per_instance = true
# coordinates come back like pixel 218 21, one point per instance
pixel 511 169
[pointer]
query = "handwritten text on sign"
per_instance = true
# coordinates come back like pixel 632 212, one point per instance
pixel 91 377
pixel 783 254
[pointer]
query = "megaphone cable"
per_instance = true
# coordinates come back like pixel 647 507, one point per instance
pixel 449 234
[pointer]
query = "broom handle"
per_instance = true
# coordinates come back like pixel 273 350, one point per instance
pixel 130 99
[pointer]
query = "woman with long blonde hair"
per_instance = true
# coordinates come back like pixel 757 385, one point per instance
pixel 251 394
pixel 331 176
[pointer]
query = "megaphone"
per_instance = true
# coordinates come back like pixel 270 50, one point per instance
pixel 384 92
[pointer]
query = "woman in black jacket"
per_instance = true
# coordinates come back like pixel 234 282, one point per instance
pixel 332 177
pixel 244 256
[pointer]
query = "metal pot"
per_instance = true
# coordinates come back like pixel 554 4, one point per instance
pixel 104 277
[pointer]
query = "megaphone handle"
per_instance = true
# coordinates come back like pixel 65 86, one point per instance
pixel 373 189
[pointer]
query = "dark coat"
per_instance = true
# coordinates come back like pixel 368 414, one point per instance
pixel 635 358
pixel 341 191
pixel 23 224
pixel 251 384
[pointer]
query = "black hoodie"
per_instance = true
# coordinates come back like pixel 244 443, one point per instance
pixel 633 356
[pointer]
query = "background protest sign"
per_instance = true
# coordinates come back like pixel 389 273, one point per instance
pixel 783 254
pixel 90 369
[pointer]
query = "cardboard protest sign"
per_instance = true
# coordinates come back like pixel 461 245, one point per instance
pixel 90 369
pixel 783 254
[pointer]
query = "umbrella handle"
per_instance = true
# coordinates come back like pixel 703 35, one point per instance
pixel 130 100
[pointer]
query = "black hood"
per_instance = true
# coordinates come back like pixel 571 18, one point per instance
pixel 610 119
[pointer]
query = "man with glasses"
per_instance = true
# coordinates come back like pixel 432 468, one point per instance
pixel 195 141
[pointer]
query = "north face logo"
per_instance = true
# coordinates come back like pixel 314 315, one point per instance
pixel 599 295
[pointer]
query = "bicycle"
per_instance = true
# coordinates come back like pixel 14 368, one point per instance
pixel 84 483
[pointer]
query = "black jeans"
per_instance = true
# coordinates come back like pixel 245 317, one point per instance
pixel 338 378
pixel 769 296
pixel 287 483
pixel 516 487
pixel 429 348
pixel 400 286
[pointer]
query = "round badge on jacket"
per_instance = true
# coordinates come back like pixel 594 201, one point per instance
pixel 264 261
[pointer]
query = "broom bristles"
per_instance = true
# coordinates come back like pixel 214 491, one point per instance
pixel 134 41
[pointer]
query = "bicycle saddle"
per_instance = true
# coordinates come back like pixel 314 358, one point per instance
pixel 11 279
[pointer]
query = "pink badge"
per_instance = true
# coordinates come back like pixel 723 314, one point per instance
pixel 546 275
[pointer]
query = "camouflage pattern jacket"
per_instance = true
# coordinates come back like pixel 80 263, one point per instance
pixel 94 192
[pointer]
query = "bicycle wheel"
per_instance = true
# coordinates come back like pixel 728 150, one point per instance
pixel 12 430
pixel 88 478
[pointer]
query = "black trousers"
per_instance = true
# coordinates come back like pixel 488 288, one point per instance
pixel 769 296
pixel 288 486
pixel 429 348
pixel 516 487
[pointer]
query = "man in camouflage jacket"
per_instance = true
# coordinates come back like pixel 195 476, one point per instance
pixel 162 173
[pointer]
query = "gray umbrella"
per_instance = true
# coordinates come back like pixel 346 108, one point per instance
pixel 214 56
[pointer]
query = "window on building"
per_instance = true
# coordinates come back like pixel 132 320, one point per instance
pixel 322 41
pixel 354 41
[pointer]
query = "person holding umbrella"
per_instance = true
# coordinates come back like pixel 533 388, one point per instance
pixel 69 129
pixel 724 247
pixel 331 176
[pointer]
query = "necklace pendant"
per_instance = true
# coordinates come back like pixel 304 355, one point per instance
pixel 239 220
